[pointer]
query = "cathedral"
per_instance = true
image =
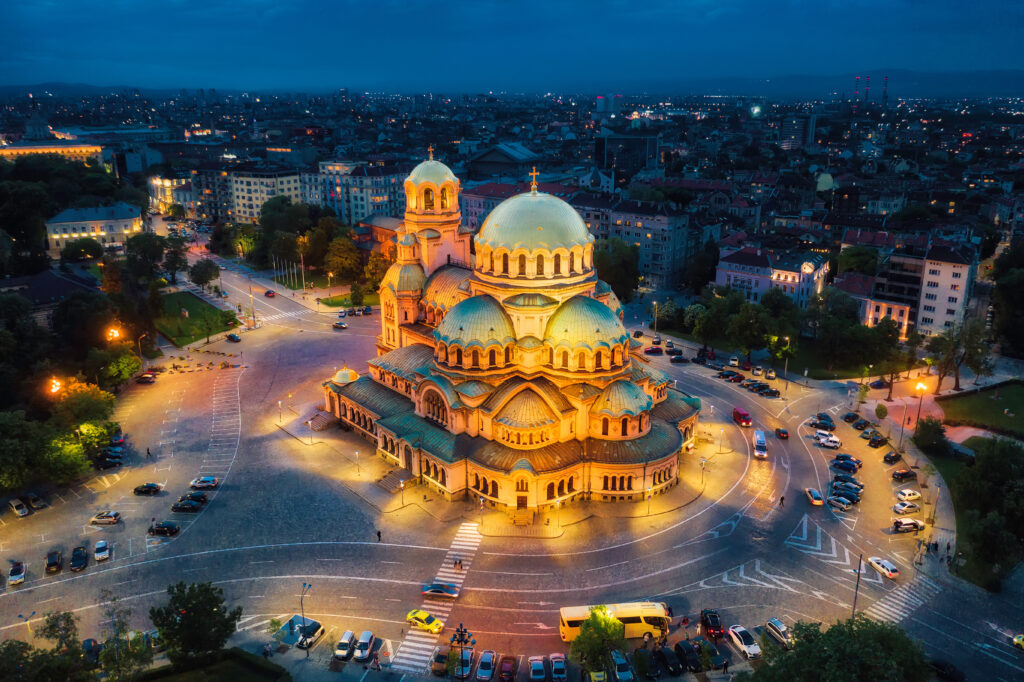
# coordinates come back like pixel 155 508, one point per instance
pixel 506 374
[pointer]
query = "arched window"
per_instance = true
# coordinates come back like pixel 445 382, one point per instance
pixel 492 358
pixel 484 486
pixel 444 478
pixel 629 483
pixel 522 485
pixel 508 355
pixel 444 198
pixel 617 356
pixel 475 358
pixel 599 360
pixel 558 264
pixel 494 488
pixel 458 356
pixel 428 199
pixel 604 426
pixel 504 263
pixel 561 488
pixel 540 265
pixel 522 265
pixel 572 263
pixel 615 481
pixel 625 426
pixel 581 361
pixel 565 359
pixel 605 486
pixel 571 486
pixel 476 481
pixel 551 491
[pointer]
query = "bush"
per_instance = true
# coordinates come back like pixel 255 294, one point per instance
pixel 930 436
pixel 881 411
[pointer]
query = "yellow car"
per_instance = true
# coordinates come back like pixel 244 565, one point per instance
pixel 424 621
pixel 1018 641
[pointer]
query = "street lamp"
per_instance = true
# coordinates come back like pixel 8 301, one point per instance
pixel 113 334
pixel 462 638
pixel 903 424
pixel 649 501
pixel 309 423
pixel 785 369
pixel 55 385
pixel 558 514
pixel 703 462
pixel 280 413
pixel 402 486
pixel 655 318
pixel 302 610
pixel 721 437
pixel 357 462
pixel 139 342
pixel 920 388
pixel 27 619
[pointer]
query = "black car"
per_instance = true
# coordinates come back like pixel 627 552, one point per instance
pixel 367 310
pixel 901 475
pixel 825 417
pixel 678 359
pixel 233 338
pixel 847 494
pixel 850 417
pixel 638 334
pixel 687 655
pixel 54 562
pixel 104 464
pixel 861 424
pixel 877 441
pixel 879 383
pixel 147 489
pixel 195 496
pixel 710 624
pixel 186 506
pixel 673 351
pixel 79 559
pixel 669 661
pixel 849 458
pixel 892 457
pixel 847 478
pixel 770 392
pixel 698 359
pixel 164 528
pixel 822 425
pixel 644 660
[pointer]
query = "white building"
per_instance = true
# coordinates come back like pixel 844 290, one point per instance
pixel 252 186
pixel 946 286
pixel 111 226
pixel 356 190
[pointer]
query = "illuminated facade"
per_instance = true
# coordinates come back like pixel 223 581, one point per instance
pixel 510 379
pixel 111 226
pixel 91 153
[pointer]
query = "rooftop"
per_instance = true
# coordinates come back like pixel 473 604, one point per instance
pixel 118 211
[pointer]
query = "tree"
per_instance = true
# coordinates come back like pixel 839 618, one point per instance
pixel 848 651
pixel 667 312
pixel 376 267
pixel 599 633
pixel 123 657
pixel 82 249
pixel 915 340
pixel 989 537
pixel 21 442
pixel 862 259
pixel 930 436
pixel 82 320
pixel 618 264
pixel 702 267
pixel 972 349
pixel 195 624
pixel 203 272
pixel 111 275
pixel 62 628
pixel 691 314
pixel 22 662
pixel 943 349
pixel 78 401
pixel 175 258
pixel 782 313
pixel 343 259
pixel 175 211
pixel 1009 307
pixel 143 254
pixel 748 328
pixel 112 367
pixel 63 460
pixel 356 295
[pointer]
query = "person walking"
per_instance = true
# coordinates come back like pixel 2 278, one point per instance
pixel 782 501
pixel 149 454
pixel 725 667
pixel 947 548
pixel 378 536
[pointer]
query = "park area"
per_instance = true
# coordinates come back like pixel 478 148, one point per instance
pixel 997 409
pixel 202 319
pixel 234 665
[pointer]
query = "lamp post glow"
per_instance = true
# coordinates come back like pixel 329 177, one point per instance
pixel 655 318
pixel 721 437
pixel 920 388
pixel 55 385
pixel 113 334
pixel 280 413
pixel 649 501
pixel 302 609
pixel 785 369
pixel 402 486
pixel 357 462
pixel 139 342
pixel 310 425
pixel 558 514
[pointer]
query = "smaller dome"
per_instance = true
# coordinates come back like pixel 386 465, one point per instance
pixel 585 321
pixel 432 171
pixel 344 376
pixel 407 239
pixel 620 398
pixel 527 410
pixel 402 278
pixel 528 342
pixel 530 301
pixel 478 321
pixel 430 233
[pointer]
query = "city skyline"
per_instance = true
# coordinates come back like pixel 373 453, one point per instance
pixel 482 47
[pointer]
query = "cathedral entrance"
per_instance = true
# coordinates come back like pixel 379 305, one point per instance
pixel 521 502
pixel 408 458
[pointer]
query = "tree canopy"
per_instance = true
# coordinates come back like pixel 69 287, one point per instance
pixel 203 272
pixel 862 259
pixel 599 633
pixel 82 249
pixel 195 623
pixel 343 259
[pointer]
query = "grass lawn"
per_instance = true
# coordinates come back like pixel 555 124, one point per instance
pixel 370 299
pixel 203 319
pixel 984 411
pixel 94 270
pixel 974 442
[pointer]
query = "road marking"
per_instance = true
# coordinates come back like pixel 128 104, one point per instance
pixel 599 568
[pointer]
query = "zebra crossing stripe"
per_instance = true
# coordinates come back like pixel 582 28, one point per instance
pixel 904 600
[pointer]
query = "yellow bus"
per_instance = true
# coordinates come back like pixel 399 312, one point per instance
pixel 639 618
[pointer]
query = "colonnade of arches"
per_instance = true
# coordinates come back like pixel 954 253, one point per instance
pixel 436 473
pixel 430 198
pixel 622 427
pixel 624 482
pixel 586 360
pixel 434 407
pixel 482 485
pixel 540 265
pixel 564 487
pixel 361 419
pixel 474 358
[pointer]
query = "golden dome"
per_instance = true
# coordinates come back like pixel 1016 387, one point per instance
pixel 620 398
pixel 526 411
pixel 534 220
pixel 407 277
pixel 432 171
pixel 584 321
pixel 477 321
pixel 443 287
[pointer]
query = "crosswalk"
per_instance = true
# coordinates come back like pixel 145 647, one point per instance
pixel 415 650
pixel 281 316
pixel 904 600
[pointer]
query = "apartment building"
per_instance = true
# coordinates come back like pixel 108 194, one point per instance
pixel 252 185
pixel 356 190
pixel 211 192
pixel 111 226
pixel 948 274
pixel 753 271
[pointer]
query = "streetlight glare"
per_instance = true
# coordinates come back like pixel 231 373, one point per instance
pixel 921 386
pixel 54 385
pixel 113 334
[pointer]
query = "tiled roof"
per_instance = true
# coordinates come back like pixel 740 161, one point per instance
pixel 549 458
pixel 748 256
pixel 663 439
pixel 118 211
pixel 525 410
pixel 433 439
pixel 947 253
pixel 408 362
pixel 442 287
pixel 676 407
pixel 546 386
pixel 855 284
pixel 380 400
pixel 872 238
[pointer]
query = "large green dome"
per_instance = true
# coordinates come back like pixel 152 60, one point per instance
pixel 620 398
pixel 407 277
pixel 432 171
pixel 477 321
pixel 534 221
pixel 585 321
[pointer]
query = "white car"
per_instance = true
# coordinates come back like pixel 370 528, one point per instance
pixel 884 566
pixel 106 518
pixel 734 361
pixel 907 525
pixel 831 443
pixel 770 374
pixel 908 495
pixel 17 574
pixel 838 503
pixel 18 507
pixel 906 508
pixel 744 641
pixel 204 483
pixel 757 371
pixel 102 551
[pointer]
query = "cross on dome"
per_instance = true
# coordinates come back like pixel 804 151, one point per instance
pixel 430 151
pixel 533 180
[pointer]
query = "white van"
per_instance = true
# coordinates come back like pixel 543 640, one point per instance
pixel 831 442
pixel 760 445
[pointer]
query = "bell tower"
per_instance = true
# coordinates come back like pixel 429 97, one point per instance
pixel 433 215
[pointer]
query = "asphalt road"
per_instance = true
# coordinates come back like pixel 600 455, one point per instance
pixel 279 520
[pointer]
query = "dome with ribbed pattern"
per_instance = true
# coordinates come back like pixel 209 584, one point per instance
pixel 534 220
pixel 621 398
pixel 584 321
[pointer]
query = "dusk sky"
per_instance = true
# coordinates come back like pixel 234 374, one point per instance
pixel 413 45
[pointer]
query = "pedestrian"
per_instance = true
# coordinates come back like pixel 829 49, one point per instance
pixel 947 548
pixel 936 545
pixel 149 454
pixel 725 667
pixel 782 501
pixel 378 536
pixel 455 563
pixel 670 614
pixel 461 567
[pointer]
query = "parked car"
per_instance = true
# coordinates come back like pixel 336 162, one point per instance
pixel 367 310
pixel 879 383
pixel 559 671
pixel 770 374
pixel 638 334
pixel 16 575
pixel 644 660
pixel 54 562
pixel 907 525
pixel 736 378
pixel 825 417
pixel 850 417
pixel 757 371
pixel 778 631
pixel 746 366
pixel 146 378
pixel 18 507
pixel 653 350
pixel 744 641
pixel 710 624
pixel 687 655
pixel 438 662
pixel 849 458
pixel 674 352
pixel 770 392
pixel 878 441
pixel 868 434
pixel 621 671
pixel 106 518
pixel 822 425
pixel 184 506
pixel 891 457
pixel 233 338
pixel 164 529
pixel 36 502
pixel 101 552
pixel 901 475
pixel 908 495
pixel 657 340
pixel 678 359
pixel 906 507
pixel 507 669
pixel 844 465
pixel 782 433
pixel 310 633
pixel 346 646
pixel 537 670
pixel 734 361
pixel 832 443
pixel 668 661
pixel 861 424
pixel 485 667
pixel 838 503
pixel 204 483
pixel 79 559
pixel 364 647
pixel 717 659
pixel 147 489
pixel 195 496
pixel 851 496
pixel 814 497
pixel 884 566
